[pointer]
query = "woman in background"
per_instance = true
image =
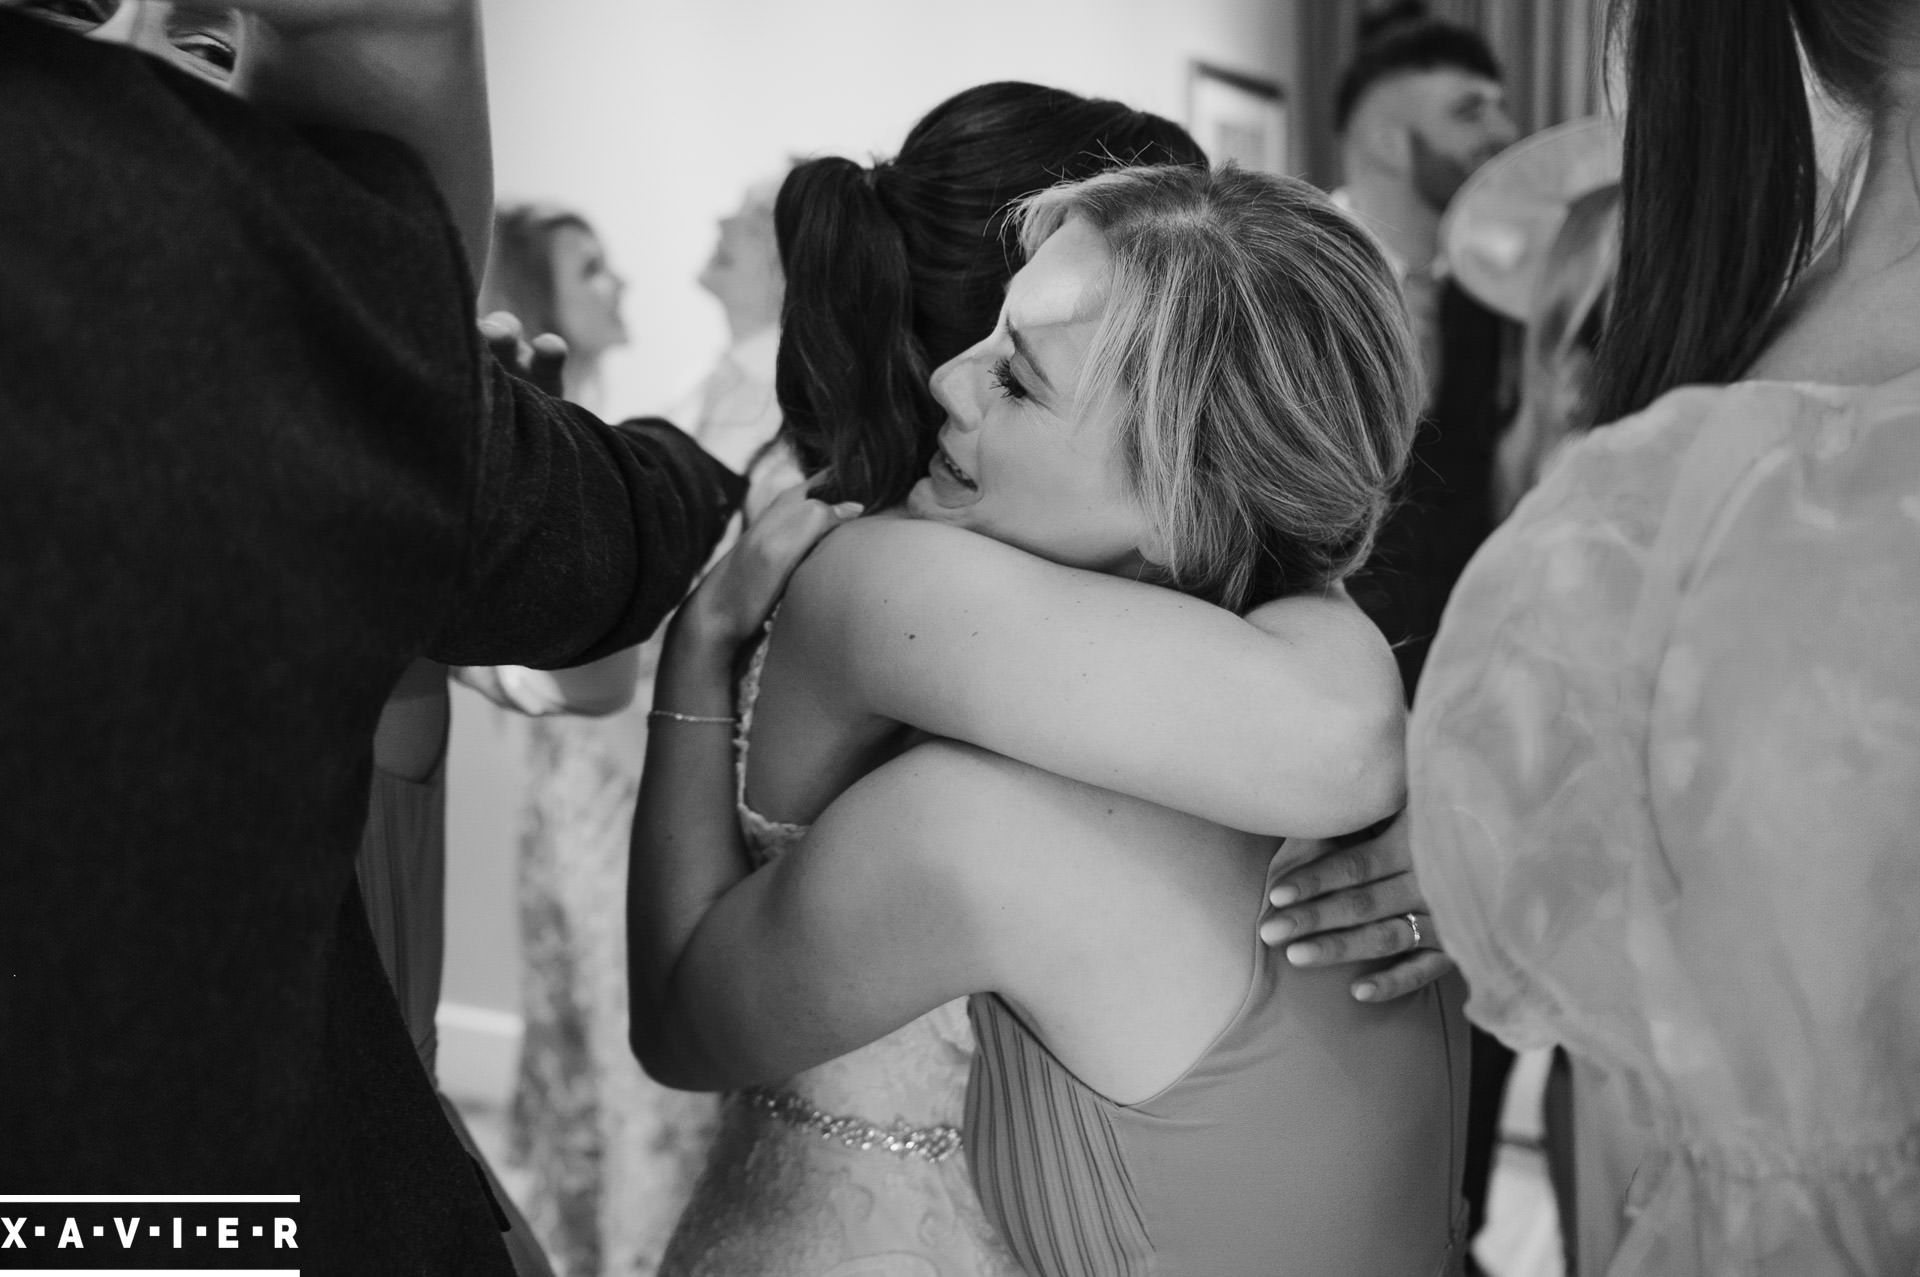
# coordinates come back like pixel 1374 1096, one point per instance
pixel 550 271
pixel 609 1155
pixel 1666 760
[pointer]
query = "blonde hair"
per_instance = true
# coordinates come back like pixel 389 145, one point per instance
pixel 1258 350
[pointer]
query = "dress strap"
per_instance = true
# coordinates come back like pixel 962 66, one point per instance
pixel 748 693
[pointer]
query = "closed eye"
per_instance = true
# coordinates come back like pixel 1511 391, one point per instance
pixel 213 55
pixel 1006 382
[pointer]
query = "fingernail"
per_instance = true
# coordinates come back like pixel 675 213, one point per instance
pixel 847 509
pixel 1301 954
pixel 1365 990
pixel 1283 896
pixel 1280 930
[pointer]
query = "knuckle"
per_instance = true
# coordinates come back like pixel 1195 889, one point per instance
pixel 1363 903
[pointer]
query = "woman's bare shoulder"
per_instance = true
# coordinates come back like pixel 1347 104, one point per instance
pixel 893 561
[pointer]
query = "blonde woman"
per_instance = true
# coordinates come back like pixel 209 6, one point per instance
pixel 1201 380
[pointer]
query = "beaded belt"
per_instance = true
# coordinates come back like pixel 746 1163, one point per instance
pixel 934 1143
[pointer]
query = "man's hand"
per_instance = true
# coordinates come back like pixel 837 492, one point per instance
pixel 540 361
pixel 1350 901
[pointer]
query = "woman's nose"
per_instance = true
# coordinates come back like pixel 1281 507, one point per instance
pixel 955 389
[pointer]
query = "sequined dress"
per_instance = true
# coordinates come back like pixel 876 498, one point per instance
pixel 853 1168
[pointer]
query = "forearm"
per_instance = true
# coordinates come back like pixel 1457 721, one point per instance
pixel 1289 727
pixel 687 847
pixel 411 69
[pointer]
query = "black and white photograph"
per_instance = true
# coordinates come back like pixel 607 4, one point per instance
pixel 1039 638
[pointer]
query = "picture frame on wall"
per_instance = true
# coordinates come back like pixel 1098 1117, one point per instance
pixel 1238 117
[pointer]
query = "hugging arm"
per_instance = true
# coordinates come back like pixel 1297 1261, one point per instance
pixel 731 972
pixel 1288 723
pixel 864 926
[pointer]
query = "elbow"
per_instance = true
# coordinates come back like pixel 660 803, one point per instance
pixel 1377 762
pixel 1361 778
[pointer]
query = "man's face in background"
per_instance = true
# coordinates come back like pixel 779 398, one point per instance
pixel 1456 121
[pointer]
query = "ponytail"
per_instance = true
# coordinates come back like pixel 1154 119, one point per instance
pixel 851 377
pixel 1719 194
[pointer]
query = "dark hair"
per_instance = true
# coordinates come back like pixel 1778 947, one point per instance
pixel 520 270
pixel 1720 192
pixel 1404 40
pixel 893 270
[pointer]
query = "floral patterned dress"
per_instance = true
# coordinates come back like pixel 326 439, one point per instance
pixel 609 1155
pixel 1666 805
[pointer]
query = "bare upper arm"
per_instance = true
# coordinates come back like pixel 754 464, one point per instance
pixel 1289 722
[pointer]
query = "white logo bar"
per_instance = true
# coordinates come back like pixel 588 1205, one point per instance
pixel 133 1199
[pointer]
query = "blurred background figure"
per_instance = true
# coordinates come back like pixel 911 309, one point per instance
pixel 1567 312
pixel 1535 237
pixel 550 271
pixel 1419 110
pixel 606 1157
pixel 733 412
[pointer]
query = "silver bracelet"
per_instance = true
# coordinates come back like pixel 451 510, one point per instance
pixel 672 717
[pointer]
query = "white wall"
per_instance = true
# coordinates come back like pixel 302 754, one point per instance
pixel 651 117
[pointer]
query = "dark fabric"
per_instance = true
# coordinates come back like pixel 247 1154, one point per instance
pixel 1444 508
pixel 1486 1097
pixel 256 461
pixel 1443 512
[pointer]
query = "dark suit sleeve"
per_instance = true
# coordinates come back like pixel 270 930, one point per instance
pixel 584 535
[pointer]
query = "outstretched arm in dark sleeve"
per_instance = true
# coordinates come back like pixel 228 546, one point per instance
pixel 584 535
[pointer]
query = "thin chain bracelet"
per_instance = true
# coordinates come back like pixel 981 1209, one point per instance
pixel 934 1143
pixel 673 717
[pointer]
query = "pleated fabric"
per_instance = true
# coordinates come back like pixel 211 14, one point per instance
pixel 1316 1135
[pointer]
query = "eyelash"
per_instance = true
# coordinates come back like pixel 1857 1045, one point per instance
pixel 1005 382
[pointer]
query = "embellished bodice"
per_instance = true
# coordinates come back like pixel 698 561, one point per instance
pixel 916 1075
pixel 852 1168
